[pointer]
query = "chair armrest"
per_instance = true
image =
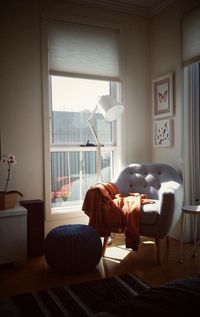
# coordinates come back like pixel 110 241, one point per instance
pixel 171 199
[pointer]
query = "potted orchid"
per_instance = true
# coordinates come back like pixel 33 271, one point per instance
pixel 8 198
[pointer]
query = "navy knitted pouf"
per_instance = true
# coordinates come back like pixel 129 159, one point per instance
pixel 73 248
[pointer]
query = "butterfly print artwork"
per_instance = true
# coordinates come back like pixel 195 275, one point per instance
pixel 162 133
pixel 163 97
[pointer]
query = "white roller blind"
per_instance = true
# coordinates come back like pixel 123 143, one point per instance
pixel 191 37
pixel 83 50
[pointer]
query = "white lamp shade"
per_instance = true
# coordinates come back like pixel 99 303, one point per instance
pixel 111 108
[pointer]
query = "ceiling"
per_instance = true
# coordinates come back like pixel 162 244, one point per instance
pixel 139 7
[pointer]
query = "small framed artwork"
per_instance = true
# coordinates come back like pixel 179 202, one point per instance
pixel 162 133
pixel 162 92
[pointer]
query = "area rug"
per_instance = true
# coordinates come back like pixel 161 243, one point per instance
pixel 78 300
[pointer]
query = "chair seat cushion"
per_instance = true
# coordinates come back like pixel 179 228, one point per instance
pixel 150 213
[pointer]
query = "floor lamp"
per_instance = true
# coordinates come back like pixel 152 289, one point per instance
pixel 111 111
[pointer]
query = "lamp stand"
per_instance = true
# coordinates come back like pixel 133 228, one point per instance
pixel 98 155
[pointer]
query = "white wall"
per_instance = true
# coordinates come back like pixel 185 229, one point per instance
pixel 21 119
pixel 165 45
pixel 136 92
pixel 20 99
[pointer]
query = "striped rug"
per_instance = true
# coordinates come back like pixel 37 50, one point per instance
pixel 75 300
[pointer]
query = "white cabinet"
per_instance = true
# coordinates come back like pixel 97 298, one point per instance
pixel 13 235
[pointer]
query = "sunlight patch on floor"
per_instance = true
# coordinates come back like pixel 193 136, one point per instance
pixel 117 253
pixel 148 242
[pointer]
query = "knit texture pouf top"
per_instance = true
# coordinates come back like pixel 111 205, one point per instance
pixel 73 248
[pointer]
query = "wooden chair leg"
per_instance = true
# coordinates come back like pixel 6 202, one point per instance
pixel 167 243
pixel 105 242
pixel 157 242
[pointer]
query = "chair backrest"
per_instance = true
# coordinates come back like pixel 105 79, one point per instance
pixel 148 178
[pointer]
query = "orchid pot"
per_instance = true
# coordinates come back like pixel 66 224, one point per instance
pixel 8 198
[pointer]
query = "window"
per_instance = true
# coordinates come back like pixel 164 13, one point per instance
pixel 80 64
pixel 191 132
pixel 73 165
pixel 191 112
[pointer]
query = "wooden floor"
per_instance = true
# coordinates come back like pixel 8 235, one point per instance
pixel 35 274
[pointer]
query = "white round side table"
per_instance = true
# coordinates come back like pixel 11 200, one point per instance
pixel 194 211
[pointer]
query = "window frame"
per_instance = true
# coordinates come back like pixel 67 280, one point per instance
pixel 120 134
pixel 76 148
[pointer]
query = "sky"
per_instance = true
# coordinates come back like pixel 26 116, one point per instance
pixel 75 94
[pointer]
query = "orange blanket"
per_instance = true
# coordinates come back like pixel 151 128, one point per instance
pixel 109 211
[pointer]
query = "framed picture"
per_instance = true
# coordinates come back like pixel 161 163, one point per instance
pixel 162 92
pixel 162 133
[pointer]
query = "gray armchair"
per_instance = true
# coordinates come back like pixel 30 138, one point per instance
pixel 161 183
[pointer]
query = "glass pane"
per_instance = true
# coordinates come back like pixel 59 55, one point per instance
pixel 72 173
pixel 73 100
